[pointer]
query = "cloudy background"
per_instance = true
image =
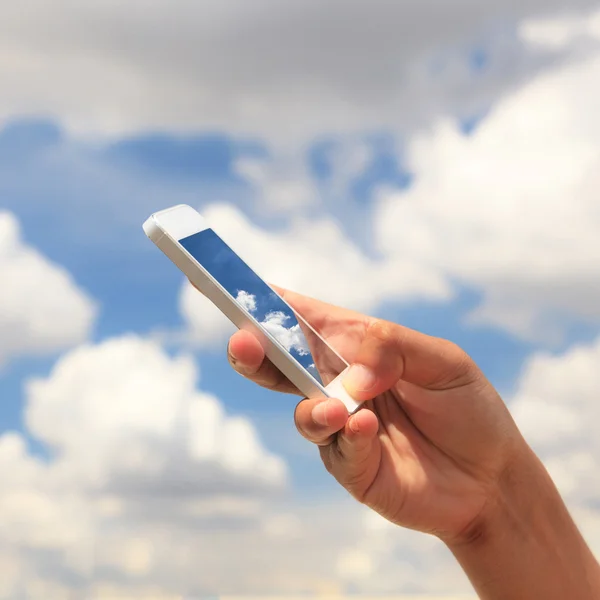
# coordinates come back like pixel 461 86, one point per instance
pixel 436 163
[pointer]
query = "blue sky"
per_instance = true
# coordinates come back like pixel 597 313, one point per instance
pixel 82 205
pixel 441 198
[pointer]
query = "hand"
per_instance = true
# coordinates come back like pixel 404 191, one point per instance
pixel 434 440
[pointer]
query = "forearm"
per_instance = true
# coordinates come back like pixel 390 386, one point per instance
pixel 527 546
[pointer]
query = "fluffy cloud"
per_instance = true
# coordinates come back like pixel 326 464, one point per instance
pixel 41 308
pixel 248 301
pixel 151 490
pixel 137 456
pixel 556 407
pixel 293 67
pixel 512 211
pixel 205 323
pixel 124 416
pixel 291 338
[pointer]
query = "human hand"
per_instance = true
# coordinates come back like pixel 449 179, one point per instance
pixel 433 440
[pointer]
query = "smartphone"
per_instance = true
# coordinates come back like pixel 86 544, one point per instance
pixel 288 340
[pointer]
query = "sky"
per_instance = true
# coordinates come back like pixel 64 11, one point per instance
pixel 433 163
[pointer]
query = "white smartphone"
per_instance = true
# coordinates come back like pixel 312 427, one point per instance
pixel 291 344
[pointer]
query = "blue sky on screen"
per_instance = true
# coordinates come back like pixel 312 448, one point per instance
pixel 437 194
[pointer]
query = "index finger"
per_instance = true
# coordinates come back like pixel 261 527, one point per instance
pixel 317 313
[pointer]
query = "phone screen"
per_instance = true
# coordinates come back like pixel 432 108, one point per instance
pixel 255 297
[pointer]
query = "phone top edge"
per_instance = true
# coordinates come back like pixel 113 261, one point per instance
pixel 178 222
pixel 152 230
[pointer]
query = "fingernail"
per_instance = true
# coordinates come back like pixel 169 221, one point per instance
pixel 235 363
pixel 359 379
pixel 319 413
pixel 353 424
pixel 230 353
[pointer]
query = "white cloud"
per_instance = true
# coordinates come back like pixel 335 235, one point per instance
pixel 247 300
pixel 124 416
pixel 41 308
pixel 282 183
pixel 513 210
pixel 151 490
pixel 137 455
pixel 557 32
pixel 556 406
pixel 291 338
pixel 205 323
pixel 293 67
pixel 300 550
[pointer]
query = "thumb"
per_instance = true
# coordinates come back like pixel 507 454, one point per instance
pixel 390 352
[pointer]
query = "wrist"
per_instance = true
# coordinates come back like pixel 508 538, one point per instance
pixel 524 544
pixel 522 490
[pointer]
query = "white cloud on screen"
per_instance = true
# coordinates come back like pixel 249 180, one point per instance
pixel 254 64
pixel 42 310
pixel 247 300
pixel 291 338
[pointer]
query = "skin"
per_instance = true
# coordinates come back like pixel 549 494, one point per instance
pixel 435 449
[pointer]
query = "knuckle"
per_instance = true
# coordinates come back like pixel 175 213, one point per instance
pixel 267 380
pixel 464 369
pixel 381 330
pixel 460 358
pixel 382 333
pixel 307 429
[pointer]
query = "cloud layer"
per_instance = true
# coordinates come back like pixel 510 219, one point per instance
pixel 284 68
pixel 138 459
pixel 150 488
